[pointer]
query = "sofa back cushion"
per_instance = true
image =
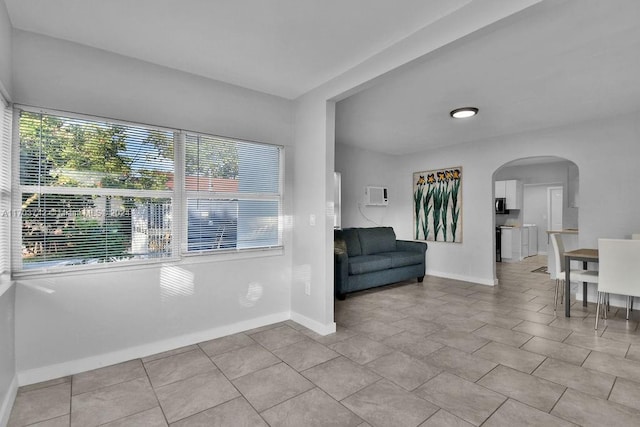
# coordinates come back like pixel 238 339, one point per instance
pixel 376 240
pixel 350 237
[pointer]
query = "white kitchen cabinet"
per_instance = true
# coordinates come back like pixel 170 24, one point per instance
pixel 511 191
pixel 533 240
pixel 511 244
pixel 518 243
pixel 524 242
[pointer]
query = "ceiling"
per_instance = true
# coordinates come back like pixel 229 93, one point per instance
pixel 281 47
pixel 556 63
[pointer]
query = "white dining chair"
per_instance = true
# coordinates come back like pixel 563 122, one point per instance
pixel 558 272
pixel 619 263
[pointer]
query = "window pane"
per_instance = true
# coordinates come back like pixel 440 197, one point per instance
pixel 223 165
pixel 258 224
pixel 62 229
pixel 227 224
pixel 212 224
pixel 258 168
pixel 70 152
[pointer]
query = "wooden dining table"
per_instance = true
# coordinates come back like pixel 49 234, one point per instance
pixel 586 256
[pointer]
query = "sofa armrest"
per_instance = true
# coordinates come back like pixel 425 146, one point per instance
pixel 411 246
pixel 340 267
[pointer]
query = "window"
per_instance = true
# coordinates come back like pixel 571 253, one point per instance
pixel 233 194
pixel 94 191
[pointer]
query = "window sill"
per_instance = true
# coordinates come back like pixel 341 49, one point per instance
pixel 186 259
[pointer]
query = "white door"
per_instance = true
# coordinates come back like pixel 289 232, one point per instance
pixel 555 208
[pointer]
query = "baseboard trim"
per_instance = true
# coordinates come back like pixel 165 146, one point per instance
pixel 36 375
pixel 7 404
pixel 478 280
pixel 315 326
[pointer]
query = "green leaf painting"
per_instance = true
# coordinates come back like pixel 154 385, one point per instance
pixel 437 205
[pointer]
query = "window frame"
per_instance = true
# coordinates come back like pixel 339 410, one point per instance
pixel 178 196
pixel 222 196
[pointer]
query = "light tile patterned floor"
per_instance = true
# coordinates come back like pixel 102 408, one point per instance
pixel 439 353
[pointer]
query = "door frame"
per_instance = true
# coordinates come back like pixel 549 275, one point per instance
pixel 549 190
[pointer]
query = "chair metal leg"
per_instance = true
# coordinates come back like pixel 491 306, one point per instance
pixel 628 306
pixel 598 300
pixel 555 299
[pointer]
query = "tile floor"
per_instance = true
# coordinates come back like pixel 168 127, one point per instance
pixel 440 353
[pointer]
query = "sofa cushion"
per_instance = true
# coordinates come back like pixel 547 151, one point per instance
pixel 404 258
pixel 377 239
pixel 368 263
pixel 350 236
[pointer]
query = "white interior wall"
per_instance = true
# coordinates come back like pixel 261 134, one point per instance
pixel 6 81
pixel 597 147
pixel 68 323
pixel 315 151
pixel 8 377
pixel 360 168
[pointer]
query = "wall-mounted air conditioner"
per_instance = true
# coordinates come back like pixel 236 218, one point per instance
pixel 376 196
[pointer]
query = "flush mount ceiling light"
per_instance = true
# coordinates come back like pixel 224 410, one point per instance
pixel 464 112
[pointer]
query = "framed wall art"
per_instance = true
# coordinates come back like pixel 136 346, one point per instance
pixel 437 205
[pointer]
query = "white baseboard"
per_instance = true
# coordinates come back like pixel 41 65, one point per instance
pixel 7 404
pixel 478 280
pixel 315 326
pixel 36 375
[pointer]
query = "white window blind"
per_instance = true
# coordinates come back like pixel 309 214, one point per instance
pixel 233 194
pixel 5 186
pixel 93 191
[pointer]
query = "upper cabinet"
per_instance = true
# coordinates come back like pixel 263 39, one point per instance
pixel 511 191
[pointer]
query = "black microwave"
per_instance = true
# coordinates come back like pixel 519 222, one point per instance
pixel 501 205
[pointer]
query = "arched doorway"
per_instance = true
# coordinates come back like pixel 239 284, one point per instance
pixel 542 194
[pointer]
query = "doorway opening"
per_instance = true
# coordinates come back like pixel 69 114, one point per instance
pixel 541 195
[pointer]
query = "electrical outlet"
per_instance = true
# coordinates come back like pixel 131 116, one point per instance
pixel 307 288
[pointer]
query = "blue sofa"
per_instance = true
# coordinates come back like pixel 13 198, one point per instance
pixel 369 257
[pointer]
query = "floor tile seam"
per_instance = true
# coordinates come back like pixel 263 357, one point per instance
pixel 199 412
pixel 479 385
pixel 44 421
pixel 154 394
pixel 400 385
pixel 128 380
pixel 494 411
pixel 358 390
pixel 132 415
pixel 228 351
pixel 236 389
pixel 44 388
pixel 166 356
pixel 19 392
pixel 193 375
pixel 615 375
pixel 286 400
pixel 307 391
pixel 198 349
pixel 575 389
